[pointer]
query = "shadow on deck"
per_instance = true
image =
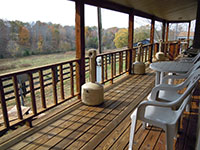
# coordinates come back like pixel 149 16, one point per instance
pixel 107 126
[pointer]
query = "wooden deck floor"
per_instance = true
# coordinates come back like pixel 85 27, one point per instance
pixel 103 127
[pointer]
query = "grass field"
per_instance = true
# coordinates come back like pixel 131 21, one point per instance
pixel 13 64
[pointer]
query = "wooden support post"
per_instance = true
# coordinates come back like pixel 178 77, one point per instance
pixel 3 105
pixel 167 32
pixel 163 30
pixel 80 46
pixel 151 39
pixel 166 39
pixel 196 43
pixel 99 28
pixel 188 36
pixel 152 31
pixel 130 41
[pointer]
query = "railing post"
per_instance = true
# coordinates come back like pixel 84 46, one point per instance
pixel 177 49
pixel 150 53
pixel 17 100
pixel 171 51
pixel 102 69
pixel 112 69
pixel 3 105
pixel 80 46
pixel 41 78
pixel 130 41
pixel 61 82
pixel 32 91
pixel 54 84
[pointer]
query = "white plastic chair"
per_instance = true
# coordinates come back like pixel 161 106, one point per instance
pixel 191 60
pixel 167 94
pixel 161 114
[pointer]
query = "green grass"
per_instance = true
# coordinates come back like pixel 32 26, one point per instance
pixel 13 64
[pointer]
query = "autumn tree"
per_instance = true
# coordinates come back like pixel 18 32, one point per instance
pixel 24 36
pixel 121 38
pixel 108 38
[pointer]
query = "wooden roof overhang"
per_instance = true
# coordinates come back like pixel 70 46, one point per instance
pixel 172 11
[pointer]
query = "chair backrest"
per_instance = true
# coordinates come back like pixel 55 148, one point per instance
pixel 190 84
pixel 195 67
pixel 196 58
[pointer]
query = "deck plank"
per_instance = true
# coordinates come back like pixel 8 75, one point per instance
pixel 151 139
pixel 92 144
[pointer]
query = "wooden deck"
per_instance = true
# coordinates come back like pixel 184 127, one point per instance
pixel 104 127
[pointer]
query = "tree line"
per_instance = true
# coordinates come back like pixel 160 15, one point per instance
pixel 19 39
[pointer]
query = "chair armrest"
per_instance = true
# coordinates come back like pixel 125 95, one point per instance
pixel 166 78
pixel 141 107
pixel 165 87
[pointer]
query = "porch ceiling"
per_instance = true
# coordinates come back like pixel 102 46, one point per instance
pixel 171 10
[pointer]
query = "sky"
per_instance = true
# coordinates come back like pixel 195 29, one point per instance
pixel 61 12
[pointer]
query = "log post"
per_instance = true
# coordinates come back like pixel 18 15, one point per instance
pixel 188 36
pixel 80 46
pixel 196 43
pixel 163 30
pixel 166 39
pixel 130 41
pixel 151 39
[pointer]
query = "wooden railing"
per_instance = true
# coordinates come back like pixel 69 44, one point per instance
pixel 47 87
pixel 51 85
pixel 170 48
pixel 115 64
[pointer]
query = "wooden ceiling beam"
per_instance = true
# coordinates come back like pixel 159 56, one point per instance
pixel 179 21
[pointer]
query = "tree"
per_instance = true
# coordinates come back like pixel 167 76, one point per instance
pixel 121 38
pixel 91 37
pixel 141 33
pixel 108 37
pixel 24 36
pixel 3 39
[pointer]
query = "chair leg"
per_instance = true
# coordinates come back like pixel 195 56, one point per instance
pixel 187 107
pixel 132 132
pixel 170 133
pixel 145 125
